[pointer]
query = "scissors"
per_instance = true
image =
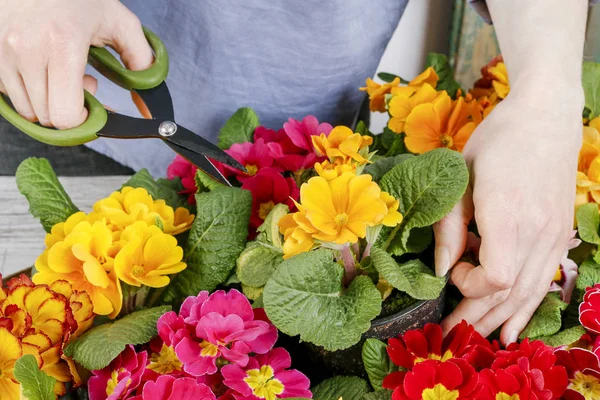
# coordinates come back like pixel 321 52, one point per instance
pixel 150 94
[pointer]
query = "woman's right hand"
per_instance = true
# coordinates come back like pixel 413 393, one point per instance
pixel 44 46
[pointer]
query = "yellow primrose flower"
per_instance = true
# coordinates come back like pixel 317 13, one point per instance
pixel 401 105
pixel 588 184
pixel 590 147
pixel 297 233
pixel 393 216
pixel 341 209
pixel 427 77
pixel 124 207
pixel 500 82
pixel 441 123
pixel 10 352
pixel 85 259
pixel 342 145
pixel 80 303
pixel 330 171
pixel 148 256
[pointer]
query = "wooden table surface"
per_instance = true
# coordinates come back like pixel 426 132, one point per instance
pixel 21 235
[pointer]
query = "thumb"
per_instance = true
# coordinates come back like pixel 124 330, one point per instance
pixel 451 234
pixel 124 34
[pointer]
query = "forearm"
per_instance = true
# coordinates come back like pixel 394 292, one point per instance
pixel 542 42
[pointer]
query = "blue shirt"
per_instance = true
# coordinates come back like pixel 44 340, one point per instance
pixel 283 58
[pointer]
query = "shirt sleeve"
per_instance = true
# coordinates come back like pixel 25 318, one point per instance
pixel 481 8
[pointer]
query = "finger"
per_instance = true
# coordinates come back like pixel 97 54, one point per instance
pixel 127 38
pixel 2 88
pixel 498 261
pixel 15 89
pixel 472 310
pixel 451 234
pixel 66 69
pixel 35 79
pixel 90 84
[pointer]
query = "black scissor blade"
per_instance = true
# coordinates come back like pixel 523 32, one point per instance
pixel 189 140
pixel 159 102
pixel 200 161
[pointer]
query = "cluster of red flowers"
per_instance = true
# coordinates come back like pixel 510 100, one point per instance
pixel 274 161
pixel 465 365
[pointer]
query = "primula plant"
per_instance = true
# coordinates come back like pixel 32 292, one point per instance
pixel 185 288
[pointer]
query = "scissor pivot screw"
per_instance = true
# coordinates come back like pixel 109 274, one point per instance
pixel 167 128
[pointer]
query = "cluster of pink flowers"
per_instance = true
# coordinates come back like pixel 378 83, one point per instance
pixel 217 347
pixel 274 161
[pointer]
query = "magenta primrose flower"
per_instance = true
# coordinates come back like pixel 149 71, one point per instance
pixel 168 387
pixel 254 156
pixel 301 132
pixel 223 325
pixel 120 378
pixel 266 377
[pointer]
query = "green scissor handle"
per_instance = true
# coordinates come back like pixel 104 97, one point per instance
pixel 103 61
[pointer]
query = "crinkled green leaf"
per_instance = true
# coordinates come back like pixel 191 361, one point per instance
pixel 239 128
pixel 35 384
pixel 589 275
pixel 216 240
pixel 565 337
pixel 305 297
pixel 588 221
pixel 379 395
pixel 377 362
pixel 252 292
pixel 341 387
pixel 382 166
pixel 47 199
pixel 268 232
pixel 387 77
pixel 205 183
pixel 442 67
pixel 591 87
pixel 257 263
pixel 163 189
pixel 428 187
pixel 96 348
pixel 419 240
pixel 412 277
pixel 546 320
pixel 258 303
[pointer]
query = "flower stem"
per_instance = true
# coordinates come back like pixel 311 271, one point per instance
pixel 367 251
pixel 349 264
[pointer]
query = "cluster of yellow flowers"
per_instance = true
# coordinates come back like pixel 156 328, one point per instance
pixel 127 237
pixel 430 118
pixel 40 320
pixel 337 206
pixel 588 168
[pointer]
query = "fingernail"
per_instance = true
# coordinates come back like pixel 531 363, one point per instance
pixel 512 338
pixel 442 261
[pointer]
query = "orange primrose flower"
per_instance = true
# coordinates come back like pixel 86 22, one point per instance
pixel 342 145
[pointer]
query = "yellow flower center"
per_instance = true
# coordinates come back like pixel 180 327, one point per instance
pixel 208 349
pixel 137 271
pixel 114 380
pixel 431 356
pixel 264 209
pixel 165 362
pixel 504 396
pixel 263 383
pixel 439 392
pixel 341 219
pixel 557 275
pixel 586 385
pixel 251 169
pixel 447 141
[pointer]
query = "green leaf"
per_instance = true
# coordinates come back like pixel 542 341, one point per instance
pixel 546 320
pixel 418 240
pixel 239 128
pixel 362 128
pixel 47 199
pixel 565 337
pixel 163 189
pixel 35 384
pixel 442 67
pixel 205 183
pixel 591 87
pixel 428 187
pixel 305 297
pixel 413 277
pixel 387 77
pixel 268 232
pixel 377 362
pixel 216 240
pixel 257 263
pixel 252 292
pixel 381 167
pixel 379 395
pixel 344 387
pixel 588 221
pixel 589 275
pixel 96 348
